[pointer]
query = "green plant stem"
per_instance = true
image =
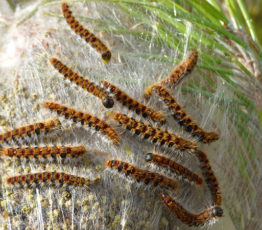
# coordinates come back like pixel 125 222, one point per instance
pixel 248 20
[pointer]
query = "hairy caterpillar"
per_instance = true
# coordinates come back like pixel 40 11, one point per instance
pixel 180 71
pixel 154 134
pixel 58 179
pixel 29 130
pixel 42 153
pixel 85 84
pixel 133 104
pixel 142 175
pixel 183 119
pixel 210 177
pixel 189 218
pixel 85 34
pixel 84 119
pixel 178 169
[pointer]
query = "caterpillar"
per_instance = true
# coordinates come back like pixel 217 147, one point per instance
pixel 154 134
pixel 29 130
pixel 183 119
pixel 180 71
pixel 141 175
pixel 89 37
pixel 178 169
pixel 42 153
pixel 85 84
pixel 210 178
pixel 133 104
pixel 84 119
pixel 209 215
pixel 57 179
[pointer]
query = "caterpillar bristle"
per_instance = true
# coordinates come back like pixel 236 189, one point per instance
pixel 82 82
pixel 208 216
pixel 180 71
pixel 154 134
pixel 133 104
pixel 84 119
pixel 41 179
pixel 174 167
pixel 29 130
pixel 141 175
pixel 85 34
pixel 182 118
pixel 44 153
pixel 210 178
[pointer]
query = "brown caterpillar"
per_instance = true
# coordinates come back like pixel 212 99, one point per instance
pixel 209 215
pixel 142 175
pixel 85 34
pixel 84 119
pixel 42 153
pixel 183 119
pixel 57 179
pixel 180 71
pixel 133 104
pixel 210 178
pixel 154 134
pixel 85 84
pixel 29 130
pixel 178 169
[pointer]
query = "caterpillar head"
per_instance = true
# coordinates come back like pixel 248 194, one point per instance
pixel 217 212
pixel 149 157
pixel 108 102
pixel 106 56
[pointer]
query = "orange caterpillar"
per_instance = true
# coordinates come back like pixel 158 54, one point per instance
pixel 210 178
pixel 133 104
pixel 48 178
pixel 42 153
pixel 85 34
pixel 142 175
pixel 154 134
pixel 29 130
pixel 183 119
pixel 208 216
pixel 180 71
pixel 80 81
pixel 178 169
pixel 84 119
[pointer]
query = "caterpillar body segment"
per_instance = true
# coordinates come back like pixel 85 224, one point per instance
pixel 148 91
pixel 46 178
pixel 84 119
pixel 154 134
pixel 82 82
pixel 85 34
pixel 208 216
pixel 180 71
pixel 209 177
pixel 182 118
pixel 29 130
pixel 141 175
pixel 178 169
pixel 133 104
pixel 42 153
